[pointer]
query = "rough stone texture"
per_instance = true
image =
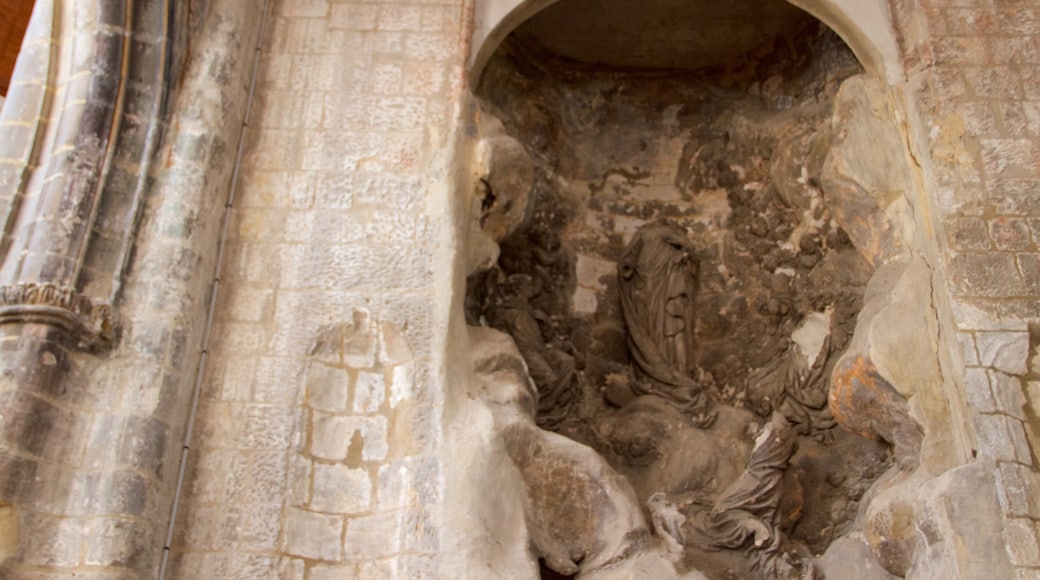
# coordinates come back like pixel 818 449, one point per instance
pixel 850 557
pixel 614 152
pixel 110 430
pixel 579 515
pixel 866 174
pixel 342 233
pixel 971 81
pixel 323 352
pixel 737 168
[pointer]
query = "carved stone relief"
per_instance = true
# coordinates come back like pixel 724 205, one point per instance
pixel 683 273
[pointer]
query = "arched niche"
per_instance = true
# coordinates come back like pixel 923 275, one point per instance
pixel 598 148
pixel 865 25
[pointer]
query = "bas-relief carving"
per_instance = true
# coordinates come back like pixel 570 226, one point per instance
pixel 575 497
pixel 582 517
pixel 717 469
pixel 745 516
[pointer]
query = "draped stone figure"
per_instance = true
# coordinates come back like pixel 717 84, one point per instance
pixel 744 516
pixel 657 278
pixel 551 369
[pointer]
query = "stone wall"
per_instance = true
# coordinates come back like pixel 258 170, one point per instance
pixel 318 427
pixel 973 88
pixel 308 292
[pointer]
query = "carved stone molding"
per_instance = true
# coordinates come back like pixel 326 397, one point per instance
pixel 93 325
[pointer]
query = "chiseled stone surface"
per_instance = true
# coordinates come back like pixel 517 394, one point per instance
pixel 322 350
pixel 110 431
pixel 316 447
pixel 972 84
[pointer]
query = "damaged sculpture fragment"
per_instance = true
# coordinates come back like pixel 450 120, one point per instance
pixel 746 515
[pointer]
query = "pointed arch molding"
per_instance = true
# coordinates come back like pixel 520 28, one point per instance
pixel 865 25
pixel 80 134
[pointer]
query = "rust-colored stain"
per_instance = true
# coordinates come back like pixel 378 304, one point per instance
pixel 857 395
pixel 14 18
pixel 865 403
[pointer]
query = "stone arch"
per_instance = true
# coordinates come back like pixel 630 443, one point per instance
pixel 865 25
pixel 83 125
pixel 867 30
pixel 84 119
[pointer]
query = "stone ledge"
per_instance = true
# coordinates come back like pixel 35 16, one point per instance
pixel 93 325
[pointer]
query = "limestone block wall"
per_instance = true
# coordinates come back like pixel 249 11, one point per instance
pixel 315 444
pixel 974 92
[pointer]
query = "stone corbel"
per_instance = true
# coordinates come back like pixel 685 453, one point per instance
pixel 93 325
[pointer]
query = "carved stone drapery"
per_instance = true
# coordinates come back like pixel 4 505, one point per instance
pixel 657 281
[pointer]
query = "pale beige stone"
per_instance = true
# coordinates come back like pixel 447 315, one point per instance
pixel 337 572
pixel 372 537
pixel 340 489
pixel 1022 543
pixel 327 387
pixel 369 392
pixel 331 436
pixel 1004 351
pixel 313 535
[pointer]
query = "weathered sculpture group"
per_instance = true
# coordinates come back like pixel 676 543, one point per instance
pixel 657 283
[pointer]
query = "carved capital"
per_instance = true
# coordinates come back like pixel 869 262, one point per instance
pixel 92 324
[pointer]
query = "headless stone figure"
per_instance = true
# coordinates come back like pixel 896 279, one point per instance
pixel 657 281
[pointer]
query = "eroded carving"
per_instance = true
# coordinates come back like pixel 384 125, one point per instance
pixel 92 324
pixel 866 404
pixel 797 392
pixel 582 517
pixel 551 369
pixel 657 282
pixel 745 516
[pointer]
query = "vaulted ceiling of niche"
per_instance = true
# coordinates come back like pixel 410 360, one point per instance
pixel 664 34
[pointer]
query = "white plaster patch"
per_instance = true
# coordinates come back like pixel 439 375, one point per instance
pixel 402 387
pixel 811 333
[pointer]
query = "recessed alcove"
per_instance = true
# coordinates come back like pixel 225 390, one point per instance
pixel 714 132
